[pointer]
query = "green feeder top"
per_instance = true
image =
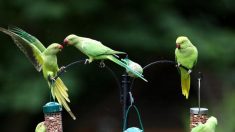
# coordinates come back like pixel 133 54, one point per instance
pixel 196 110
pixel 52 107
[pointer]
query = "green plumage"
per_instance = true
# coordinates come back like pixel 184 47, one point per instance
pixel 95 50
pixel 44 59
pixel 209 126
pixel 134 66
pixel 41 127
pixel 186 55
pixel 185 82
pixel 21 33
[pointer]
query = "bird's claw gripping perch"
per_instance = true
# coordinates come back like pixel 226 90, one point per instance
pixel 178 65
pixel 62 69
pixel 86 61
pixel 189 71
pixel 51 79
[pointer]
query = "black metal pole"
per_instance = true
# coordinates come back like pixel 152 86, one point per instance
pixel 125 95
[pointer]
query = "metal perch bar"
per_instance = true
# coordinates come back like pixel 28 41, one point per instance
pixel 125 86
pixel 63 70
pixel 159 62
pixel 164 62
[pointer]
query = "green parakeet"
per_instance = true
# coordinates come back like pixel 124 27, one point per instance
pixel 209 126
pixel 44 59
pixel 41 127
pixel 134 66
pixel 186 55
pixel 95 50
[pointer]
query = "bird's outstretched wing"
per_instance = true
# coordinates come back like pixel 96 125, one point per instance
pixel 27 45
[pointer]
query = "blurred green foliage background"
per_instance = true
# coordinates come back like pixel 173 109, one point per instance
pixel 145 29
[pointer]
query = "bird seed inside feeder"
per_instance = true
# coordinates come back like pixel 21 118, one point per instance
pixel 196 117
pixel 53 117
pixel 53 122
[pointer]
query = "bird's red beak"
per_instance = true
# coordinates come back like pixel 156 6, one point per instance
pixel 178 46
pixel 61 46
pixel 66 42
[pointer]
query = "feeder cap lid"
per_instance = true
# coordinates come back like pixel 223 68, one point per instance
pixel 195 110
pixel 52 107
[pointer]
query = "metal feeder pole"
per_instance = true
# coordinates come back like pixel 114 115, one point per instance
pixel 199 91
pixel 125 89
pixel 198 114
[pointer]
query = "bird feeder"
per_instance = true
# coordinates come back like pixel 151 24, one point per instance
pixel 53 117
pixel 198 115
pixel 133 129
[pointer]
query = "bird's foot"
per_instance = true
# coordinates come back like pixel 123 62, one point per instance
pixel 62 69
pixel 86 61
pixel 178 65
pixel 51 79
pixel 189 71
pixel 102 64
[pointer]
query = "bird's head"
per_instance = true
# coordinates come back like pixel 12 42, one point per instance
pixel 54 48
pixel 181 42
pixel 71 39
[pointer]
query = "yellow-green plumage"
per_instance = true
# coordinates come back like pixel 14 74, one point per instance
pixel 186 55
pixel 185 82
pixel 95 50
pixel 209 126
pixel 44 59
pixel 133 65
pixel 41 127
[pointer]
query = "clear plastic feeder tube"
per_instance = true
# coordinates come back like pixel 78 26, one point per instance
pixel 53 117
pixel 198 116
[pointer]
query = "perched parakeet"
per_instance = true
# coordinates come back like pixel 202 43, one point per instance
pixel 186 55
pixel 209 126
pixel 95 50
pixel 134 66
pixel 44 59
pixel 41 127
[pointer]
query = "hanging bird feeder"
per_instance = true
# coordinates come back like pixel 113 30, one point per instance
pixel 53 117
pixel 197 116
pixel 133 129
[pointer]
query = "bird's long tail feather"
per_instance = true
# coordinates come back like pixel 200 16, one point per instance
pixel 117 61
pixel 185 82
pixel 59 91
